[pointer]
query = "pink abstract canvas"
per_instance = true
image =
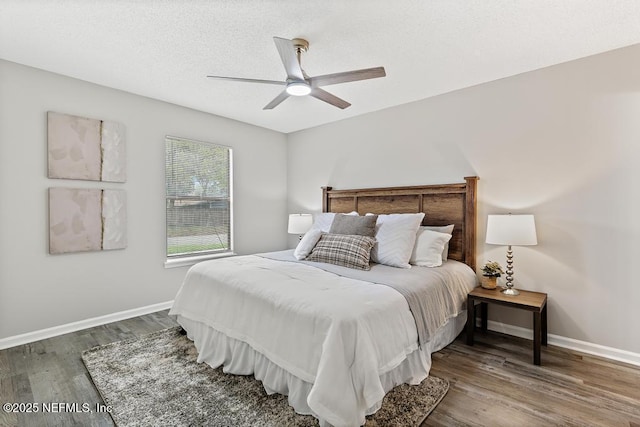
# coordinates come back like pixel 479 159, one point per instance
pixel 83 219
pixel 74 147
pixel 75 220
pixel 87 149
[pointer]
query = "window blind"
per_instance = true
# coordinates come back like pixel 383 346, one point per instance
pixel 198 198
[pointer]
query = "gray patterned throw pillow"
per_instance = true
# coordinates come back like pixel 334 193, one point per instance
pixel 347 250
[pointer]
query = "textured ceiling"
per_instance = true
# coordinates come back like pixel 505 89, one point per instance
pixel 164 49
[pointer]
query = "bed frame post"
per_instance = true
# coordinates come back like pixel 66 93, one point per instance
pixel 470 225
pixel 325 198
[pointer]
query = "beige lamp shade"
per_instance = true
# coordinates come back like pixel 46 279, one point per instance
pixel 516 230
pixel 299 223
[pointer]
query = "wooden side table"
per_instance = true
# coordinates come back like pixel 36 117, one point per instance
pixel 535 302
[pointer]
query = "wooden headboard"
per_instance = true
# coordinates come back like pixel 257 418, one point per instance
pixel 442 205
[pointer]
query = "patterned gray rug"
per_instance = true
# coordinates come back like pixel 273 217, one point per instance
pixel 155 380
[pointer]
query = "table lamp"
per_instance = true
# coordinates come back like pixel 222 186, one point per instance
pixel 511 230
pixel 299 224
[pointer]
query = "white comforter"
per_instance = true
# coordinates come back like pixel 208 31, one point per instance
pixel 337 333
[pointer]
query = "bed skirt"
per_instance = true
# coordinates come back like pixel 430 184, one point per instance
pixel 237 357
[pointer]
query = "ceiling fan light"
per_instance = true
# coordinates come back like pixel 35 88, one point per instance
pixel 298 89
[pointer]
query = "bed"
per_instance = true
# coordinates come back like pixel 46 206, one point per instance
pixel 336 339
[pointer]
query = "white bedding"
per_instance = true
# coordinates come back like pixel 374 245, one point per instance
pixel 340 336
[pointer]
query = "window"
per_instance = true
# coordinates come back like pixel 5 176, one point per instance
pixel 199 204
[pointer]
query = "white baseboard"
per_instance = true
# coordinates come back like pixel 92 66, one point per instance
pixel 82 324
pixel 569 343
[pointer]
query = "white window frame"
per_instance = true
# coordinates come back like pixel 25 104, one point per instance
pixel 188 259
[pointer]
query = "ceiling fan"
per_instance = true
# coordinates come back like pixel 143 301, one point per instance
pixel 298 83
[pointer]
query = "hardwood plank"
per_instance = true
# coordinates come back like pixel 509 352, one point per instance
pixel 5 367
pixel 6 395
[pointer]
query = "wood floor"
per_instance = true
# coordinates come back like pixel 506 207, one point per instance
pixel 493 383
pixel 51 370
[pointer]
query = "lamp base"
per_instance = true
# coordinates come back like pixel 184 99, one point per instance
pixel 510 291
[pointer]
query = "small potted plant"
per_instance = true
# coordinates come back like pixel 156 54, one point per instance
pixel 490 273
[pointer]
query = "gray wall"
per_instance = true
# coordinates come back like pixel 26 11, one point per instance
pixel 562 143
pixel 38 290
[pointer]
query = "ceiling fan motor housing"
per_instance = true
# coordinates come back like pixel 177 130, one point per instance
pixel 301 45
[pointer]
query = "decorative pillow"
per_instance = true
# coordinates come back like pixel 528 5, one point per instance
pixel 427 251
pixel 395 235
pixel 307 243
pixel 351 224
pixel 441 229
pixel 323 220
pixel 347 250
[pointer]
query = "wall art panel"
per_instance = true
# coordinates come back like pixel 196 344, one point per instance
pixel 83 148
pixel 114 219
pixel 82 219
pixel 113 152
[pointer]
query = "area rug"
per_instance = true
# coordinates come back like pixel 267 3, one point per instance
pixel 155 381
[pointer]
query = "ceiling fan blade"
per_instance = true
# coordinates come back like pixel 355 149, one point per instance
pixel 325 96
pixel 347 76
pixel 277 100
pixel 287 52
pixel 240 79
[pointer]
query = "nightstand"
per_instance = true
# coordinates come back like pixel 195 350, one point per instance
pixel 535 302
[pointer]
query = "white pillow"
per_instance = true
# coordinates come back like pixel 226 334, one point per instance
pixel 427 251
pixel 442 229
pixel 396 235
pixel 307 243
pixel 323 220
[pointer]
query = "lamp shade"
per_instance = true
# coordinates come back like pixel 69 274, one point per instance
pixel 299 223
pixel 516 230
